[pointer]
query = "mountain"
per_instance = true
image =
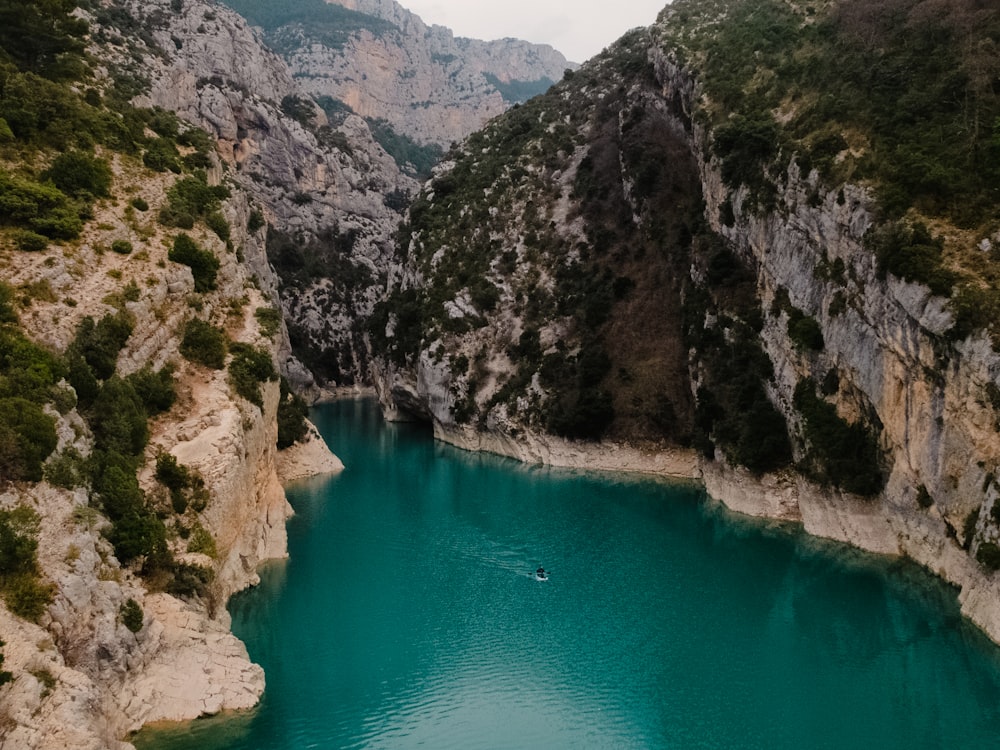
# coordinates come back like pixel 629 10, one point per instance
pixel 379 60
pixel 754 243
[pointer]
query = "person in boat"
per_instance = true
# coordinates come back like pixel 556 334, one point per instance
pixel 541 572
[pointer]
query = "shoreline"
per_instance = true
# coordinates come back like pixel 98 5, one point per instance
pixel 876 526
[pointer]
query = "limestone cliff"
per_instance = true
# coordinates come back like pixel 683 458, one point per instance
pixel 325 190
pixel 426 83
pixel 587 296
pixel 84 675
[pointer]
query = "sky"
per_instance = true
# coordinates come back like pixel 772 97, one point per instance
pixel 577 28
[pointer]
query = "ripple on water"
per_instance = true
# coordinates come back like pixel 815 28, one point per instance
pixel 407 617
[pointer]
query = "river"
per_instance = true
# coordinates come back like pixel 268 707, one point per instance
pixel 407 616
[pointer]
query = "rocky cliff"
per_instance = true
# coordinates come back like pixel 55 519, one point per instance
pixel 656 263
pixel 328 194
pixel 383 62
pixel 122 639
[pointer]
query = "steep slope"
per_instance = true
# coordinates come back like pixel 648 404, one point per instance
pixel 328 196
pixel 139 341
pixel 382 62
pixel 714 237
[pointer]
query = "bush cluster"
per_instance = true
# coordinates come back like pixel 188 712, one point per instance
pixel 839 453
pixel 131 614
pixel 205 344
pixel 292 413
pixel 28 377
pixel 23 591
pixel 191 198
pixel 908 251
pixel 249 367
pixel 186 486
pixel 203 263
pixel 44 210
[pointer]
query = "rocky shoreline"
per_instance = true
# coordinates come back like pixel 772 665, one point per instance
pixel 871 525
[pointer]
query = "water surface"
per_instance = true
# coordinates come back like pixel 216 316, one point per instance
pixel 407 617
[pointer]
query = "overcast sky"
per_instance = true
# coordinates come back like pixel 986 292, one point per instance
pixel 577 28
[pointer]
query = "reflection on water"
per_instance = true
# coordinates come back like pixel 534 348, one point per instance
pixel 407 617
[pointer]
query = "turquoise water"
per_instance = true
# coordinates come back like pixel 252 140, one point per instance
pixel 407 617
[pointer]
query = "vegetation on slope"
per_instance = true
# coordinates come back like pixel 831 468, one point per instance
pixel 288 25
pixel 60 131
pixel 900 95
pixel 607 313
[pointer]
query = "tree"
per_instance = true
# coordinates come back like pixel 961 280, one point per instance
pixel 118 418
pixel 39 35
pixel 27 437
pixel 80 174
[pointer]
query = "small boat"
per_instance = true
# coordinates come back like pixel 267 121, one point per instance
pixel 541 574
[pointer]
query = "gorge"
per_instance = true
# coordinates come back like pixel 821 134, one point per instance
pixel 753 244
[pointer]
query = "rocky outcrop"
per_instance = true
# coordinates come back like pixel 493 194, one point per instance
pixel 309 457
pixel 428 84
pixel 322 189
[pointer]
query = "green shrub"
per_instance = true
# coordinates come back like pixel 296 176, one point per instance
pixel 292 413
pixel 155 390
pixel 191 198
pixel 18 541
pixel 746 143
pixel 7 312
pixel 170 474
pixel 80 175
pixel 845 455
pixel 26 596
pixel 135 531
pixel 5 677
pixel 118 418
pixel 27 437
pixel 100 343
pixel 201 541
pixel 203 263
pixel 131 614
pixel 218 224
pixel 140 534
pixel 250 367
pixel 924 499
pixel 299 109
pixel 805 331
pixel 65 469
pixel 161 155
pixel 255 221
pixel 27 370
pixel 139 204
pixel 28 241
pixel 204 343
pixel 43 209
pixel 988 555
pixel 43 37
pixel 189 580
pixel 909 252
pixel 269 319
pixel 122 247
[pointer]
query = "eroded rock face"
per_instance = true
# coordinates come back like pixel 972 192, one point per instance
pixel 321 189
pixel 428 84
